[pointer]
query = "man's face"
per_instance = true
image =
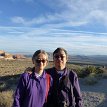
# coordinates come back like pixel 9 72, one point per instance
pixel 40 61
pixel 60 60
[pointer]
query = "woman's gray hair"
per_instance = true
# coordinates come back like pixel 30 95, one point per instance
pixel 38 52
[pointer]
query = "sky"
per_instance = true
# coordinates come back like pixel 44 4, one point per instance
pixel 79 26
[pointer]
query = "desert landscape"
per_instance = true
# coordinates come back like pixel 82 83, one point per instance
pixel 78 26
pixel 92 78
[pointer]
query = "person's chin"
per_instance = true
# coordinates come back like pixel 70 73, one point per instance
pixel 40 68
pixel 59 63
pixel 59 66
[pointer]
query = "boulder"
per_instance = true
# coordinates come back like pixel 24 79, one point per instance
pixel 8 56
pixel 19 56
pixel 2 53
pixel 1 57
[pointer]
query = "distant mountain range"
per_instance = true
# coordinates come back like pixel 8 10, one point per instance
pixel 92 59
pixel 82 59
pixel 75 59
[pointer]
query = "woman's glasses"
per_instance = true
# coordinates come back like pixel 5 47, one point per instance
pixel 39 61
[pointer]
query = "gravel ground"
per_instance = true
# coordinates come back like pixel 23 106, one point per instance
pixel 94 95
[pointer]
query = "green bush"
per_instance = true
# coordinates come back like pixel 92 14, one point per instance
pixel 90 69
pixel 99 70
pixel 91 79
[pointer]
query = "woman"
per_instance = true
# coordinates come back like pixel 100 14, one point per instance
pixel 33 87
pixel 65 91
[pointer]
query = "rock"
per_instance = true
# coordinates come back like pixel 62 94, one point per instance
pixel 2 53
pixel 8 56
pixel 1 57
pixel 19 56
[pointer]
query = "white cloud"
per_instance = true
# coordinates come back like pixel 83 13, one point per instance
pixel 67 12
pixel 51 34
pixel 38 20
pixel 49 39
pixel 99 16
pixel 18 20
pixel 86 11
pixel 83 11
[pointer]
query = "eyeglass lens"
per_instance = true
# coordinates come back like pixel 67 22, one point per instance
pixel 39 61
pixel 59 56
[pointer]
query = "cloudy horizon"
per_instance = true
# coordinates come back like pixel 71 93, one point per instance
pixel 78 26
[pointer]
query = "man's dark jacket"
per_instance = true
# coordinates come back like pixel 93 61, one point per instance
pixel 65 91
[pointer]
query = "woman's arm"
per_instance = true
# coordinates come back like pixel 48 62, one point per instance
pixel 20 92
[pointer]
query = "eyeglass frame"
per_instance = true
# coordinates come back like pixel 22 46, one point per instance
pixel 59 56
pixel 39 61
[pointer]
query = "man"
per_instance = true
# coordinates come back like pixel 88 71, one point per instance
pixel 65 91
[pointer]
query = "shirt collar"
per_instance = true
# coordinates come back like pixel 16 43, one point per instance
pixel 41 76
pixel 64 71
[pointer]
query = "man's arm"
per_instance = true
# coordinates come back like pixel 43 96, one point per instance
pixel 77 92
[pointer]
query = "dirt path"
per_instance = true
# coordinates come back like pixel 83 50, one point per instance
pixel 94 95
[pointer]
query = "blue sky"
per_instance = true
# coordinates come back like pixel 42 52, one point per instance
pixel 79 26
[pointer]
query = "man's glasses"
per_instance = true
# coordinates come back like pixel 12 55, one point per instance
pixel 59 56
pixel 39 61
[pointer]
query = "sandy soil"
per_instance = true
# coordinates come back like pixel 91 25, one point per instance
pixel 94 95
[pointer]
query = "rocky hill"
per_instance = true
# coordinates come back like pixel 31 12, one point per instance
pixel 9 56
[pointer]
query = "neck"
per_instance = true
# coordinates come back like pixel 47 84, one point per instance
pixel 38 71
pixel 60 68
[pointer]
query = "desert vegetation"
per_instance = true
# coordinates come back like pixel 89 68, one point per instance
pixel 10 71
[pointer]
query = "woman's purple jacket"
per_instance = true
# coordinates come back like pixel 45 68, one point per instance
pixel 31 91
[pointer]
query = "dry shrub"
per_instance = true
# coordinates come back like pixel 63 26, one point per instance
pixel 6 98
pixel 91 79
pixel 104 75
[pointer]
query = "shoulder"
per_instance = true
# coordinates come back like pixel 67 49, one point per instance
pixel 47 74
pixel 25 76
pixel 72 73
pixel 49 70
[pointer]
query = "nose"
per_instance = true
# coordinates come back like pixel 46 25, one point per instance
pixel 40 63
pixel 59 57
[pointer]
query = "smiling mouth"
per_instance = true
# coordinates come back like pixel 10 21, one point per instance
pixel 59 62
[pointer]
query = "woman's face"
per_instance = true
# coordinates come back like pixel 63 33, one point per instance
pixel 40 61
pixel 60 60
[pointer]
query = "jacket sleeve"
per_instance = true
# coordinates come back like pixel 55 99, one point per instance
pixel 77 92
pixel 20 92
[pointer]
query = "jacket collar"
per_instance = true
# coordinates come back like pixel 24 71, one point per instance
pixel 42 76
pixel 65 71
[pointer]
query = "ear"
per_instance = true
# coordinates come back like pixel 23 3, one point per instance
pixel 33 62
pixel 53 58
pixel 47 62
pixel 67 58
